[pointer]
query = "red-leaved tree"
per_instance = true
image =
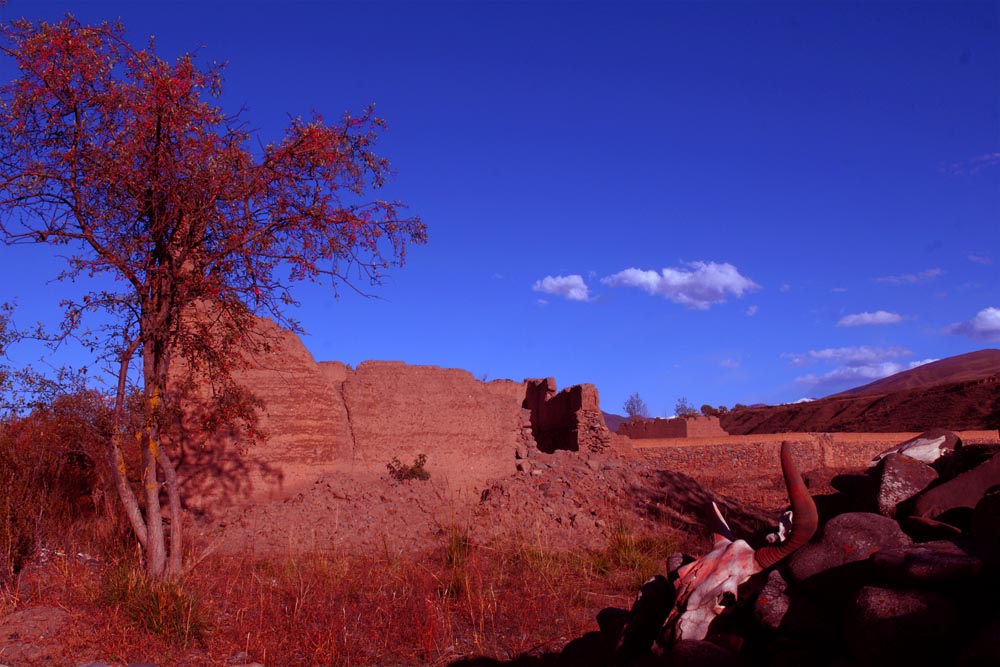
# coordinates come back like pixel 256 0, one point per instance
pixel 120 158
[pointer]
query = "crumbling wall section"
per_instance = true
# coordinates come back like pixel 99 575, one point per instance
pixel 570 419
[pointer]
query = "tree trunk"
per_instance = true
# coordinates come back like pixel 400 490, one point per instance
pixel 174 498
pixel 117 459
pixel 156 550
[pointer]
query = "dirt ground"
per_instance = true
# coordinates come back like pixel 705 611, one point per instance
pixel 560 501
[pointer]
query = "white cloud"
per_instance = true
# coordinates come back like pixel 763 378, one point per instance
pixel 847 375
pixel 730 363
pixel 699 286
pixel 975 165
pixel 851 366
pixel 985 260
pixel 752 310
pixel 854 366
pixel 911 278
pixel 785 288
pixel 984 326
pixel 569 287
pixel 851 356
pixel 861 319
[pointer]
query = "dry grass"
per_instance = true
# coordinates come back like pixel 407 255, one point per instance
pixel 462 599
pixel 501 600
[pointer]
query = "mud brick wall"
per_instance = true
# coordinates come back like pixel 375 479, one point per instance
pixel 325 418
pixel 466 427
pixel 690 427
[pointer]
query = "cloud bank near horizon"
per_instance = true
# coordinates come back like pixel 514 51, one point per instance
pixel 855 366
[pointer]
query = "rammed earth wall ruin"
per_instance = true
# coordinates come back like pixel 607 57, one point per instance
pixel 680 427
pixel 326 417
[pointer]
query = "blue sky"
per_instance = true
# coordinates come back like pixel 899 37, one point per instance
pixel 731 203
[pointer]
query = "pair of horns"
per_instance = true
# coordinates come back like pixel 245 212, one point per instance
pixel 804 516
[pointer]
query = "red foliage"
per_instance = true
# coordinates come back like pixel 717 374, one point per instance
pixel 118 155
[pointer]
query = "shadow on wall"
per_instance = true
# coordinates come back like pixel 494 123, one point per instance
pixel 214 470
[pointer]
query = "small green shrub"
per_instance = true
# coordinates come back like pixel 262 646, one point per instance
pixel 633 557
pixel 457 550
pixel 402 472
pixel 162 608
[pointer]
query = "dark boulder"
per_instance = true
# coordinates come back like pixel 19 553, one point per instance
pixel 960 493
pixel 848 538
pixel 884 626
pixel 779 608
pixel 900 478
pixel 927 565
pixel 986 529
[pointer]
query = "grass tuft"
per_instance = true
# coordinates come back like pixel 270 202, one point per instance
pixel 162 608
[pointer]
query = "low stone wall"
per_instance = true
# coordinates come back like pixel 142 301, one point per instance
pixel 678 427
pixel 738 456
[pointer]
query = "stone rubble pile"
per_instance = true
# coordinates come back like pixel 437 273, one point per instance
pixel 903 570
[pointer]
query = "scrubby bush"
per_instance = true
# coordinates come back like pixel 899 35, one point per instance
pixel 403 473
pixel 52 472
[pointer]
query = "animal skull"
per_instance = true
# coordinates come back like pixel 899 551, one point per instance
pixel 707 587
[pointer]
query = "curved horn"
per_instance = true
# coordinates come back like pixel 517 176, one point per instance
pixel 804 516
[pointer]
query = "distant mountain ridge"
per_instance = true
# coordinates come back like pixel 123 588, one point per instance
pixel 961 368
pixel 958 393
pixel 613 421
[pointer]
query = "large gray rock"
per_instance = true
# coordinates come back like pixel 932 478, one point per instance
pixel 847 538
pixel 780 609
pixel 927 447
pixel 900 478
